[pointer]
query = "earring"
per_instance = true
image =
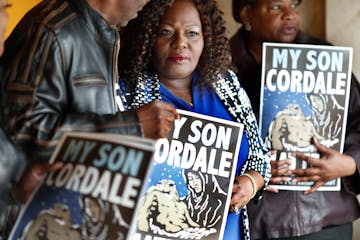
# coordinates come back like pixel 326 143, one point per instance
pixel 247 27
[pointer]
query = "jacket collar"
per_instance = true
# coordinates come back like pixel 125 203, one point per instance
pixel 240 50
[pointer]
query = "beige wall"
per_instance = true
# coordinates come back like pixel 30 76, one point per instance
pixel 342 24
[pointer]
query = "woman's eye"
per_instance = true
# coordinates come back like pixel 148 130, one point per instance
pixel 193 34
pixel 294 5
pixel 276 7
pixel 164 32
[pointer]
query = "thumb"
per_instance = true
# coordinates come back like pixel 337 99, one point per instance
pixel 43 168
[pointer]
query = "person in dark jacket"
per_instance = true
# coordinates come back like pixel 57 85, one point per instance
pixel 60 71
pixel 14 185
pixel 61 65
pixel 11 157
pixel 7 149
pixel 293 214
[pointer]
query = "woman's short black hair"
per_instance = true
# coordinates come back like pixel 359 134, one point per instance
pixel 237 5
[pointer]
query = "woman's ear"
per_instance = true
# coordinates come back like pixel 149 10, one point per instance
pixel 246 15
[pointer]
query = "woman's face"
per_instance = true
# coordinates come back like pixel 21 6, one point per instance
pixel 194 182
pixel 179 42
pixel 3 23
pixel 275 20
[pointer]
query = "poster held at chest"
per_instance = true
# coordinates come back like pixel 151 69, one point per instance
pixel 123 187
pixel 94 195
pixel 305 94
pixel 189 189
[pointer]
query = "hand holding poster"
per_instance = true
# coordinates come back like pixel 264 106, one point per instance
pixel 189 189
pixel 95 193
pixel 305 94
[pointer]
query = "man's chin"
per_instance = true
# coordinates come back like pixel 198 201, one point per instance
pixel 287 39
pixel 125 22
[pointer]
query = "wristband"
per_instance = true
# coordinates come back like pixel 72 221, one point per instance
pixel 253 182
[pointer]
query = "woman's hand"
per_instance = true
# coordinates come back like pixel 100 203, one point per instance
pixel 330 165
pixel 243 189
pixel 157 119
pixel 31 179
pixel 280 171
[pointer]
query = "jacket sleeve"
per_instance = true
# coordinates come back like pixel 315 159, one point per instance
pixel 352 138
pixel 12 165
pixel 40 95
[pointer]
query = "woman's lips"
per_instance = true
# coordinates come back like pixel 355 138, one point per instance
pixel 178 59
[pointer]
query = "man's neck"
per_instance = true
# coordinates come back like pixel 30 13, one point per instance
pixel 102 7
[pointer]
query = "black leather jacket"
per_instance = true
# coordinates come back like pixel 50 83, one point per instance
pixel 291 213
pixel 61 63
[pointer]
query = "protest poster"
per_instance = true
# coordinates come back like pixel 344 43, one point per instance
pixel 94 195
pixel 189 189
pixel 305 93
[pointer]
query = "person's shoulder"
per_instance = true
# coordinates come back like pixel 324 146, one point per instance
pixel 51 15
pixel 237 37
pixel 237 46
pixel 231 80
pixel 232 75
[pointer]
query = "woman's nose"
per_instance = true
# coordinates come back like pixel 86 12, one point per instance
pixel 179 41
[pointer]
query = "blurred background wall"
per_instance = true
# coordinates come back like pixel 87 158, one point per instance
pixel 342 24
